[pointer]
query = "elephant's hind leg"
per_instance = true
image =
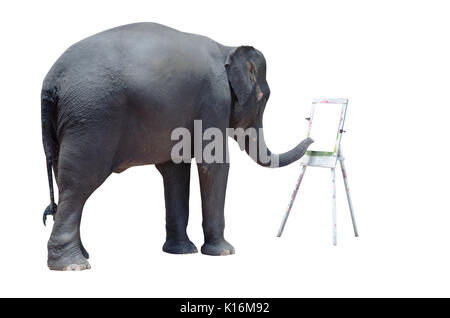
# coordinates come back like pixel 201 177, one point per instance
pixel 64 245
pixel 176 191
pixel 79 175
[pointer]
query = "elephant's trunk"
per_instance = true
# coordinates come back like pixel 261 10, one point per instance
pixel 264 157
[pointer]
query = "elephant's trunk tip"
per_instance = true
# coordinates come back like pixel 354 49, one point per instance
pixel 266 158
pixel 291 156
pixel 309 141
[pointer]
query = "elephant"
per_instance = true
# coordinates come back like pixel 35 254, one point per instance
pixel 112 101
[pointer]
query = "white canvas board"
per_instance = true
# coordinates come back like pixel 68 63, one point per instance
pixel 325 126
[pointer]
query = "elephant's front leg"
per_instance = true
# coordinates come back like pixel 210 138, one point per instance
pixel 176 191
pixel 213 183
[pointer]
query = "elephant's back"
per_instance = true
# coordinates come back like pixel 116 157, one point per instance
pixel 136 52
pixel 148 66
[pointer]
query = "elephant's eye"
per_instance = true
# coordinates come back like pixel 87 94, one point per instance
pixel 259 93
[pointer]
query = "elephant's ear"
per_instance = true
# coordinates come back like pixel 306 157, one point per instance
pixel 241 72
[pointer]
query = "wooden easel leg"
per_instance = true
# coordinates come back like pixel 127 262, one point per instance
pixel 349 198
pixel 291 202
pixel 333 202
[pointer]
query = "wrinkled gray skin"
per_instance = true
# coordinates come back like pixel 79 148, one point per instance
pixel 111 101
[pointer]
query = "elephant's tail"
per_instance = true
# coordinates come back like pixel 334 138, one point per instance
pixel 50 141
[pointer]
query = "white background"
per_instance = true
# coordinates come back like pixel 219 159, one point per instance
pixel 390 58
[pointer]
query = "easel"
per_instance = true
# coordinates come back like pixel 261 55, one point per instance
pixel 325 160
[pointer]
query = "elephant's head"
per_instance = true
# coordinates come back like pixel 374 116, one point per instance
pixel 246 71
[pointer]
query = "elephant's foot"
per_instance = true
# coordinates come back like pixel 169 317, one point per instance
pixel 217 248
pixel 69 264
pixel 174 246
pixel 76 267
pixel 66 257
